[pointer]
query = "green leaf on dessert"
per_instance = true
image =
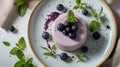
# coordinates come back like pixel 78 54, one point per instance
pixel 79 57
pixel 48 53
pixel 71 18
pixel 18 3
pixel 6 43
pixel 101 10
pixel 94 25
pixel 14 50
pixel 22 10
pixel 54 47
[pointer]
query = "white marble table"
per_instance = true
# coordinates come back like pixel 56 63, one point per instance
pixel 21 23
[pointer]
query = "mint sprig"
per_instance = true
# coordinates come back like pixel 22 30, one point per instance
pixel 21 7
pixel 80 5
pixel 95 24
pixel 49 52
pixel 71 18
pixel 81 58
pixel 18 52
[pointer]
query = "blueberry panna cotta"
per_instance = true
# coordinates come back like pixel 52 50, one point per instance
pixel 96 35
pixel 45 35
pixel 61 8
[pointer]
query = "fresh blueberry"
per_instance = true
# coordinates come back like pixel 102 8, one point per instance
pixel 60 27
pixel 96 35
pixel 45 35
pixel 65 32
pixel 68 29
pixel 72 35
pixel 108 27
pixel 74 27
pixel 85 12
pixel 84 49
pixel 64 56
pixel 11 28
pixel 67 24
pixel 60 7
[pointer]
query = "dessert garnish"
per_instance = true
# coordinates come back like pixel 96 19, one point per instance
pixel 45 35
pixel 6 43
pixel 61 8
pixel 80 5
pixel 84 49
pixel 96 35
pixel 81 58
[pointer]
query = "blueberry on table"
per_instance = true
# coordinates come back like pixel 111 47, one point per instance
pixel 11 28
pixel 64 56
pixel 72 35
pixel 96 35
pixel 45 35
pixel 84 49
pixel 60 27
pixel 85 12
pixel 60 7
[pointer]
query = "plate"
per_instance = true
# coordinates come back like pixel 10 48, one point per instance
pixel 98 50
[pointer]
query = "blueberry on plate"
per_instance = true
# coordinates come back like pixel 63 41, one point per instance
pixel 63 56
pixel 45 35
pixel 72 35
pixel 85 12
pixel 60 7
pixel 84 49
pixel 96 35
pixel 11 28
pixel 60 27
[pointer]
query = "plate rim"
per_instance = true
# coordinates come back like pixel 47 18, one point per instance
pixel 100 63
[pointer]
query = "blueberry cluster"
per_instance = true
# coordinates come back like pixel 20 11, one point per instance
pixel 68 29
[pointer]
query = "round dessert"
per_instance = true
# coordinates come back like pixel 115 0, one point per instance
pixel 64 42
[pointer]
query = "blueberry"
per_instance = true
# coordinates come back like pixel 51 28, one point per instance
pixel 67 24
pixel 108 27
pixel 68 29
pixel 64 56
pixel 11 28
pixel 60 27
pixel 72 35
pixel 84 49
pixel 74 27
pixel 60 7
pixel 85 12
pixel 45 35
pixel 96 35
pixel 65 32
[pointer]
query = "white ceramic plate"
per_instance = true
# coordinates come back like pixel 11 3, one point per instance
pixel 99 50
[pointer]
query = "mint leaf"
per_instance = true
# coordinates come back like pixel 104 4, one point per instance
pixel 78 1
pixel 94 25
pixel 22 10
pixel 48 54
pixel 101 10
pixel 76 7
pixel 18 3
pixel 79 57
pixel 19 64
pixel 53 47
pixel 71 18
pixel 30 61
pixel 21 43
pixel 44 48
pixel 14 50
pixel 83 5
pixel 20 55
pixel 6 43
